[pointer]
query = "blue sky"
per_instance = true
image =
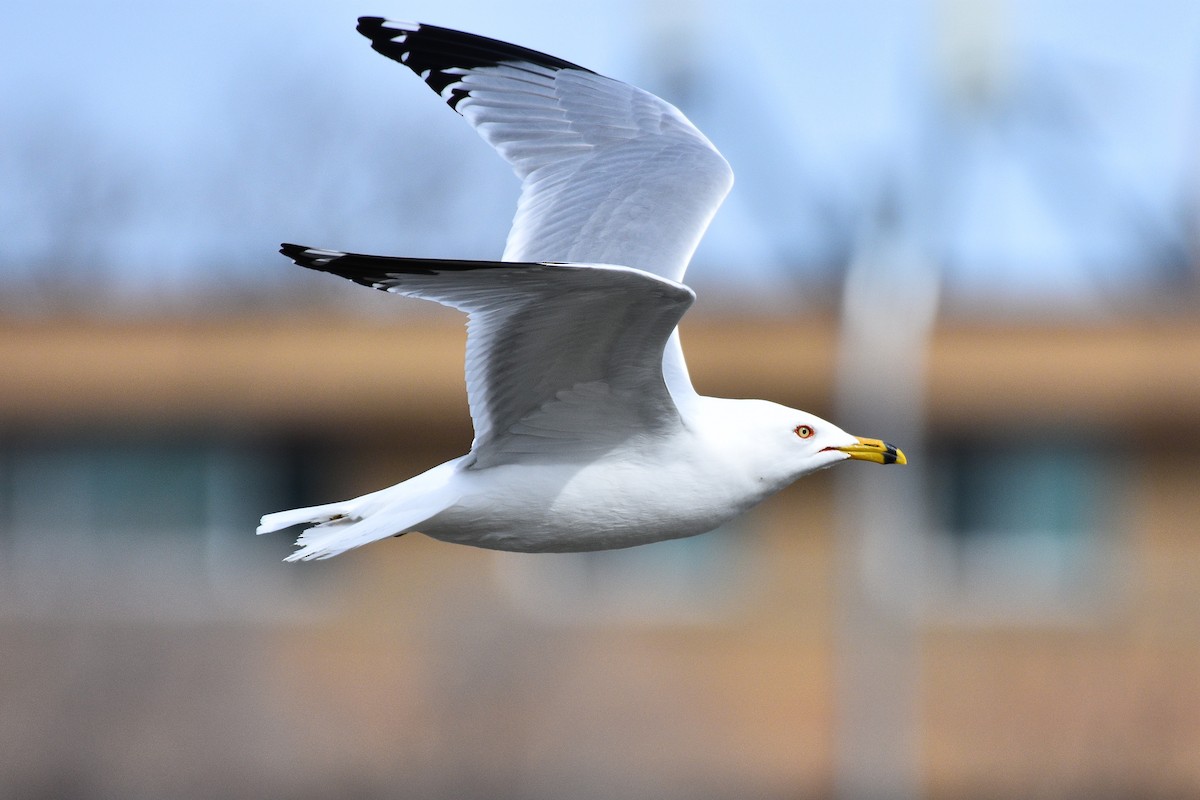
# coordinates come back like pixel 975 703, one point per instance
pixel 156 148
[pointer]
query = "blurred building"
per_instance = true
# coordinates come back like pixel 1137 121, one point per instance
pixel 1015 614
pixel 151 646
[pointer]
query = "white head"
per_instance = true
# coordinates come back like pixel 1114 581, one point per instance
pixel 788 444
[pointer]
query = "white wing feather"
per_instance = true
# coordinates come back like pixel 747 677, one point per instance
pixel 610 174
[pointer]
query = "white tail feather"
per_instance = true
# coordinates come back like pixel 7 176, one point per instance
pixel 333 538
pixel 314 515
pixel 338 527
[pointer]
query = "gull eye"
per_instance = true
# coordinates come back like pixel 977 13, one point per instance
pixel 804 431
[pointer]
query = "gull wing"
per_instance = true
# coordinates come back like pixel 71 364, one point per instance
pixel 610 174
pixel 562 359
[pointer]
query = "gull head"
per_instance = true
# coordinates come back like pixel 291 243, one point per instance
pixel 817 444
pixel 782 444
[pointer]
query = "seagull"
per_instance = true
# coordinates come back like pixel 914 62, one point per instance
pixel 588 433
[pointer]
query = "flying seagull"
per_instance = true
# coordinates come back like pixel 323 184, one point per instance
pixel 588 433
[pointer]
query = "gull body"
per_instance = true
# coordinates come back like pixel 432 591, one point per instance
pixel 588 433
pixel 653 490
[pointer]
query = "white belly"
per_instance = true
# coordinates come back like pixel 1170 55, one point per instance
pixel 607 504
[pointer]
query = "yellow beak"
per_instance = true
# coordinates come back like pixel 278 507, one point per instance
pixel 874 450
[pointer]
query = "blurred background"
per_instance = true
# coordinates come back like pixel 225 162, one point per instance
pixel 969 227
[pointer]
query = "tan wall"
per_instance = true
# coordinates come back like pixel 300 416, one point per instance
pixel 409 670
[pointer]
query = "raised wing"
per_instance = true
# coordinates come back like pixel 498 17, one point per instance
pixel 561 358
pixel 610 174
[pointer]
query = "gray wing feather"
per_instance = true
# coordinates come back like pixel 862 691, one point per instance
pixel 561 358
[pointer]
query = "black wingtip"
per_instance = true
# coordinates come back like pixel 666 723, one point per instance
pixel 371 27
pixel 298 253
pixel 437 54
pixel 335 262
pixel 312 257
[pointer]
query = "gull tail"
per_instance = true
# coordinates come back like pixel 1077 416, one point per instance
pixel 335 528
